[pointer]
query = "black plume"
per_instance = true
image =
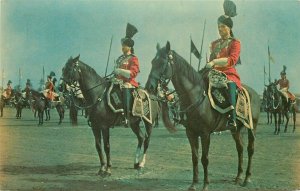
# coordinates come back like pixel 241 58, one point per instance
pixel 52 74
pixel 229 8
pixel 130 30
pixel 284 68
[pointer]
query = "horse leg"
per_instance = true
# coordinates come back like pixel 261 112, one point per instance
pixel 97 136
pixel 250 150
pixel 194 143
pixel 105 135
pixel 287 116
pixel 146 143
pixel 275 122
pixel 294 120
pixel 279 123
pixel 239 148
pixel 139 134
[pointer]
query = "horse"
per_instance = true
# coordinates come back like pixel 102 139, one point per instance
pixel 280 106
pixel 267 106
pixel 5 100
pixel 19 103
pixel 202 120
pixel 101 116
pixel 73 97
pixel 39 104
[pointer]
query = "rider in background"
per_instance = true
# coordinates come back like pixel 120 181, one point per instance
pixel 127 69
pixel 8 91
pixel 284 86
pixel 225 55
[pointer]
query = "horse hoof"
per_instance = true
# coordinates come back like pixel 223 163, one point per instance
pixel 238 181
pixel 246 182
pixel 192 188
pixel 136 166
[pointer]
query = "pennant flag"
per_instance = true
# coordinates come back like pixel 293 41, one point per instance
pixel 270 57
pixel 194 50
pixel 265 70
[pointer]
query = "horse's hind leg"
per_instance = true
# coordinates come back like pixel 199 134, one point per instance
pixel 294 120
pixel 239 148
pixel 287 120
pixel 250 150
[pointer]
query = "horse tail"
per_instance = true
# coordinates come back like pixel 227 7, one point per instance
pixel 166 118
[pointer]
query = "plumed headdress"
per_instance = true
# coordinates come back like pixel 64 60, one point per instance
pixel 9 82
pixel 283 72
pixel 230 11
pixel 130 32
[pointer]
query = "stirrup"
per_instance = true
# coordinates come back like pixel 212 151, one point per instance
pixel 231 125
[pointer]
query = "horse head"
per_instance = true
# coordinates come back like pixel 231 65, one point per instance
pixel 161 71
pixel 71 70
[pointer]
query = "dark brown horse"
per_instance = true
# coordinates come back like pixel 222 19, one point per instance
pixel 280 107
pixel 101 117
pixel 202 120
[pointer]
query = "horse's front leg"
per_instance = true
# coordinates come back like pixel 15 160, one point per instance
pixel 287 116
pixel 139 134
pixel 97 135
pixel 194 143
pixel 239 148
pixel 105 135
pixel 146 143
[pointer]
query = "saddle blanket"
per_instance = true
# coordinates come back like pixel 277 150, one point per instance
pixel 218 96
pixel 141 103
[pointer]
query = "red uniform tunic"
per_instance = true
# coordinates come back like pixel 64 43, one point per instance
pixel 131 63
pixel 284 83
pixel 50 87
pixel 231 50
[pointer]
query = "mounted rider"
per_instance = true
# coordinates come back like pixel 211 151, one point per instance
pixel 284 86
pixel 8 91
pixel 127 69
pixel 225 55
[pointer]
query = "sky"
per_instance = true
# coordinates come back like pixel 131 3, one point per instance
pixel 43 33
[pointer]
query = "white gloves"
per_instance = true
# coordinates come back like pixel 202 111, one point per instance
pixel 122 72
pixel 220 62
pixel 209 64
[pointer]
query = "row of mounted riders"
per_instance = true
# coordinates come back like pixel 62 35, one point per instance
pixel 37 102
pixel 277 105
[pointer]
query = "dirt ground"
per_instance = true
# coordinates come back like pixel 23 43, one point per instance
pixel 52 157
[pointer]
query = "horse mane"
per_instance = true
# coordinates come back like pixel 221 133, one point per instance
pixel 192 75
pixel 90 70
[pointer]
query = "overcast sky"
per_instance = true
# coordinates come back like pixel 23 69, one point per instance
pixel 37 33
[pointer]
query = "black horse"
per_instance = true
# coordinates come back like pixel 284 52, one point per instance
pixel 202 119
pixel 280 107
pixel 38 104
pixel 20 103
pixel 267 106
pixel 94 89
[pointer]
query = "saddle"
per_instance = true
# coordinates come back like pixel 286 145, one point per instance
pixel 219 98
pixel 141 101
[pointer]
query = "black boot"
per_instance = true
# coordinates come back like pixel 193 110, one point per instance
pixel 231 124
pixel 127 103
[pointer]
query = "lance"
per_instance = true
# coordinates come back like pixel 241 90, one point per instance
pixel 108 55
pixel 201 49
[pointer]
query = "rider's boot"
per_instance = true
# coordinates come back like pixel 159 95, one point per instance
pixel 127 104
pixel 231 123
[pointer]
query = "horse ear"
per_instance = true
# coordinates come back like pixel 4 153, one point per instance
pixel 77 57
pixel 168 46
pixel 157 47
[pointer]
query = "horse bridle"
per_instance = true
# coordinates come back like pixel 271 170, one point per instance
pixel 74 84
